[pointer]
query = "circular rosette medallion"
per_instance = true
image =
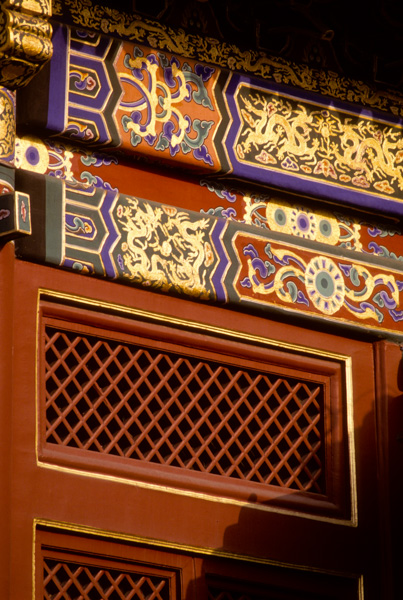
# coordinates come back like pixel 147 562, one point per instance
pixel 279 217
pixel 325 285
pixel 328 230
pixel 31 154
pixel 303 223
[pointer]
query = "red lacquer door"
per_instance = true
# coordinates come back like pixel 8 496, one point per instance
pixel 161 448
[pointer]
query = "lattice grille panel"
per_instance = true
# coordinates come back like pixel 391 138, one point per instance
pixel 188 412
pixel 72 581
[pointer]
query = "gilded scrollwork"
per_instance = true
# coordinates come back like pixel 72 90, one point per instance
pixel 28 37
pixel 41 8
pixel 7 124
pixel 25 40
pixel 155 89
pixel 57 8
pixel 85 13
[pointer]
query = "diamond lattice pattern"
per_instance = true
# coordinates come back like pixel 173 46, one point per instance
pixel 183 411
pixel 71 581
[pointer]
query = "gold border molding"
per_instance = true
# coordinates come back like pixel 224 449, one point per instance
pixel 174 546
pixel 129 26
pixel 25 40
pixel 84 530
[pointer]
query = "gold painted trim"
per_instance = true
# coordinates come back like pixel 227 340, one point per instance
pixel 197 495
pixel 63 228
pixel 342 359
pixel 361 587
pixel 348 373
pixel 162 318
pixel 189 549
pixel 67 78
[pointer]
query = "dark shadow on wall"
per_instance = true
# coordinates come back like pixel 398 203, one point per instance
pixel 279 540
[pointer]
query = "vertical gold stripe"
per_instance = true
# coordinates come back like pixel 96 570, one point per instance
pixel 351 440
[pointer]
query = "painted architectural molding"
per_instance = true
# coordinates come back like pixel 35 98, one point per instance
pixel 282 213
pixel 128 26
pixel 178 251
pixel 25 40
pixel 119 123
pixel 102 92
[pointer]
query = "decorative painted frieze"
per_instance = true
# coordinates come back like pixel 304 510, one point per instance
pixel 126 96
pixel 178 251
pixel 286 141
pixel 361 232
pixel 100 92
pixel 131 27
pixel 301 279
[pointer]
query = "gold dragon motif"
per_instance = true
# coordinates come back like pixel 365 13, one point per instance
pixel 368 150
pixel 274 130
pixel 164 248
pixel 321 143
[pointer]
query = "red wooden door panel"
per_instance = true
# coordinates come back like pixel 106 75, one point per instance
pixel 174 406
pixel 301 535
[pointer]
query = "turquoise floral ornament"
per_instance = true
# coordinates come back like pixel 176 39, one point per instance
pixel 324 284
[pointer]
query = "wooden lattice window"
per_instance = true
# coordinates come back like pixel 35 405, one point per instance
pixel 65 580
pixel 71 567
pixel 246 416
pixel 167 408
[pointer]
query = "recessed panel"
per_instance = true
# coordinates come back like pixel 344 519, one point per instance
pixel 156 401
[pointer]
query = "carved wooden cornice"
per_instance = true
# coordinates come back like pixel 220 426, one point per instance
pixel 25 40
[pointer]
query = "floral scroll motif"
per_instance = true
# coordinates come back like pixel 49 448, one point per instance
pixel 164 248
pixel 329 145
pixel 157 90
pixel 322 284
